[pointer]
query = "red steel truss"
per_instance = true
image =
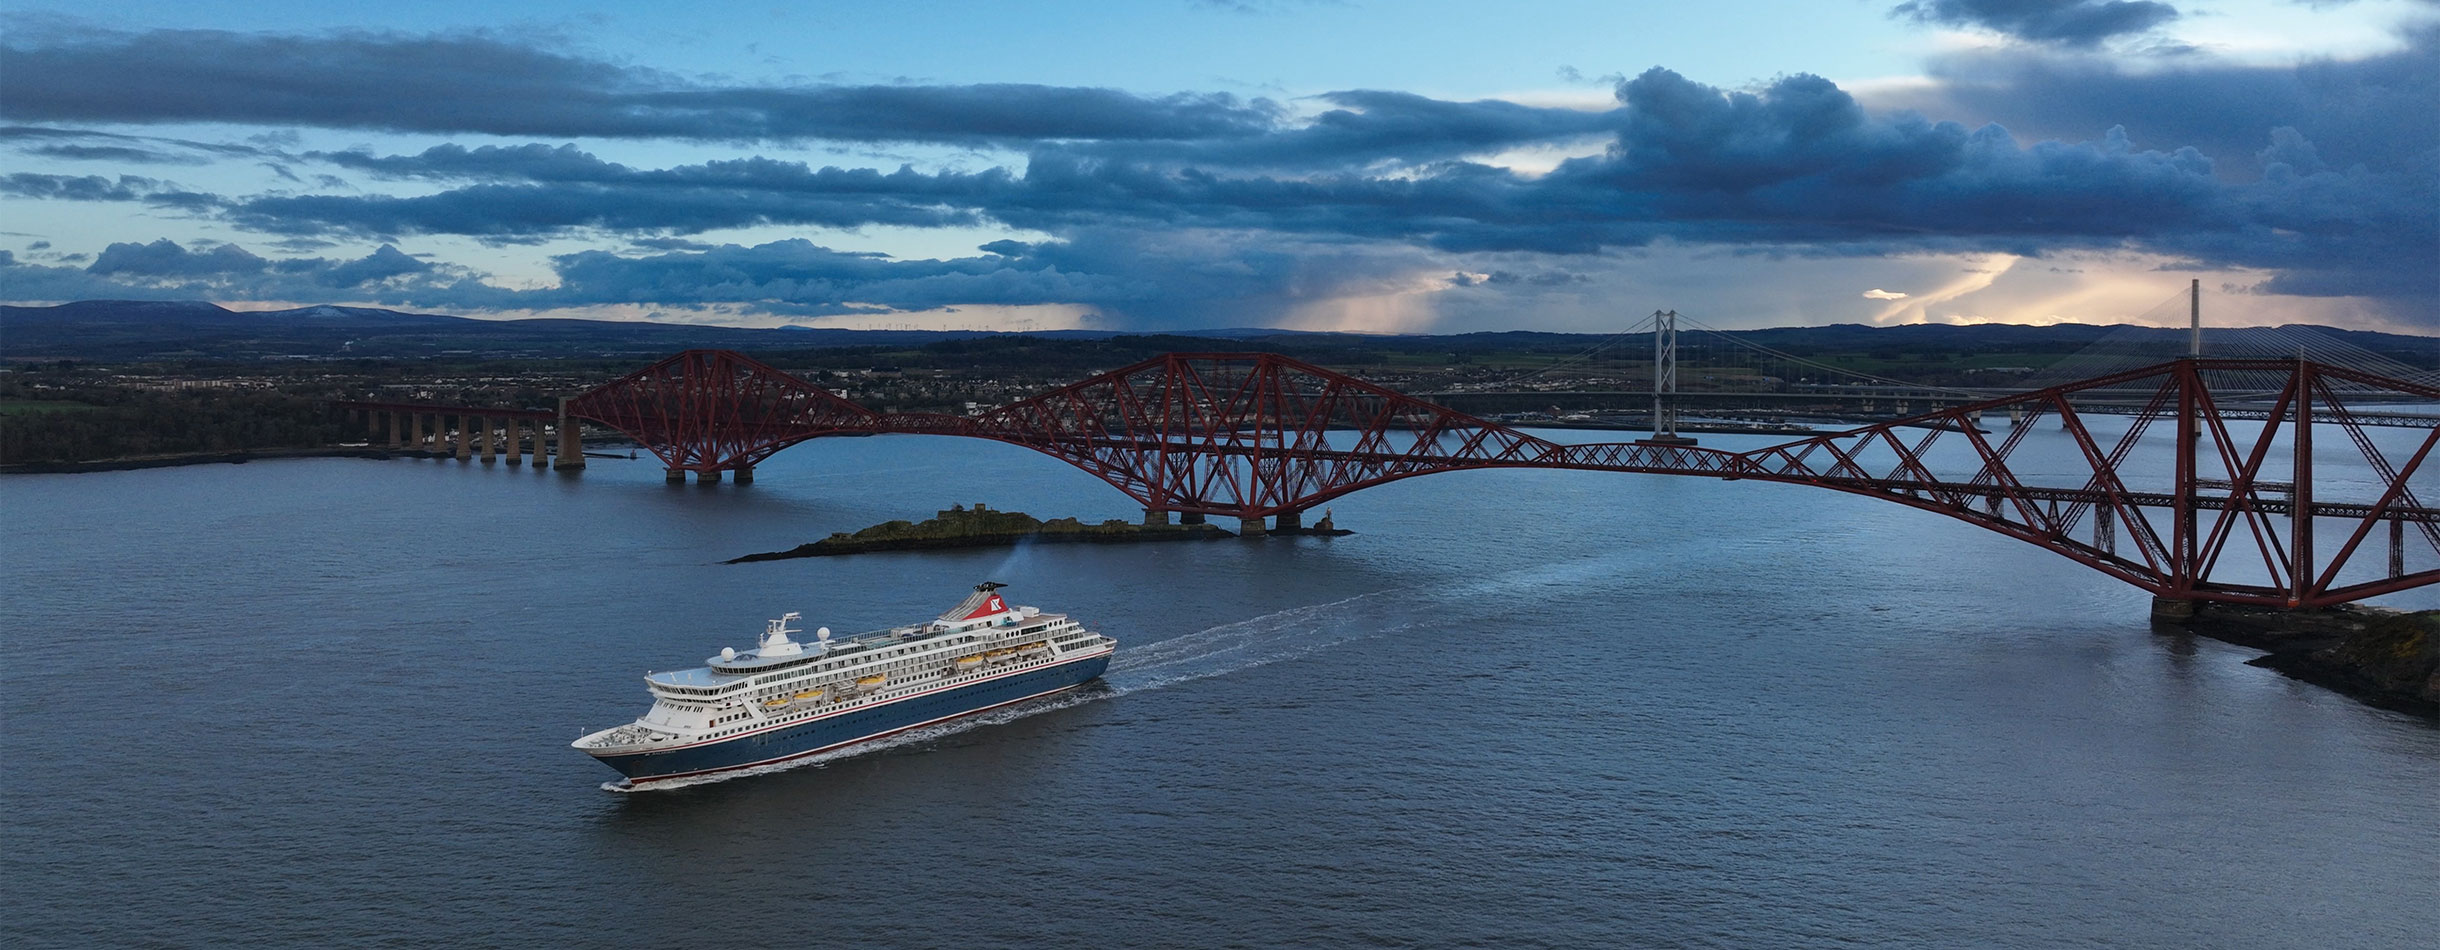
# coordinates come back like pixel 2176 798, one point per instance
pixel 2234 516
pixel 2207 493
pixel 716 410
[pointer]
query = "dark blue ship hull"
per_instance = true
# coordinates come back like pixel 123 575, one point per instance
pixel 778 743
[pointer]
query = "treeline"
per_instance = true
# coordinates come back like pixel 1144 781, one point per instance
pixel 79 422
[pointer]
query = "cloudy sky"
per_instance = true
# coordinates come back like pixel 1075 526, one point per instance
pixel 1163 164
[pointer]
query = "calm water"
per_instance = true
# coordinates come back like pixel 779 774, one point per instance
pixel 327 703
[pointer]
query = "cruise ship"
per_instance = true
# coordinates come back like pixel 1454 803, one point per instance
pixel 787 698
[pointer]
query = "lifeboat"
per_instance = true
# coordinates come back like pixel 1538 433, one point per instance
pixel 775 702
pixel 869 682
pixel 969 662
pixel 810 694
pixel 1034 647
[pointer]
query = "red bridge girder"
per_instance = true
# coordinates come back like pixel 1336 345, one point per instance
pixel 2233 518
pixel 717 410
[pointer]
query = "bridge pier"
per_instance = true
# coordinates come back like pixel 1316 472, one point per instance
pixel 415 423
pixel 675 476
pixel 1155 516
pixel 2172 609
pixel 709 476
pixel 1190 517
pixel 745 475
pixel 1250 528
pixel 490 448
pixel 571 440
pixel 465 439
pixel 1290 521
pixel 511 451
pixel 395 442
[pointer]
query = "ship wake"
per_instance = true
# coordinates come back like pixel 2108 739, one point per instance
pixel 1221 650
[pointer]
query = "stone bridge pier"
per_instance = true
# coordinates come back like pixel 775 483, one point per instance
pixel 492 435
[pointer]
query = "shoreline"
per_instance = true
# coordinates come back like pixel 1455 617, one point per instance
pixel 1141 534
pixel 981 527
pixel 176 459
pixel 2379 656
pixel 233 457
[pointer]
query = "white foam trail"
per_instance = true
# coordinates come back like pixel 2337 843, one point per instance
pixel 1231 647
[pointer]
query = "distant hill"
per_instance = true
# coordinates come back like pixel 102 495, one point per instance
pixel 131 330
pixel 152 329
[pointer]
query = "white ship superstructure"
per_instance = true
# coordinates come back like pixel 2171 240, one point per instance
pixel 787 698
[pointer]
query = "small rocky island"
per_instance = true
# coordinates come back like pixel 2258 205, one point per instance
pixel 981 527
pixel 2382 657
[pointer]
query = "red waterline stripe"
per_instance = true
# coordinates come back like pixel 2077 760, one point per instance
pixel 632 782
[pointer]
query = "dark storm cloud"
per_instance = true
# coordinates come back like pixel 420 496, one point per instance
pixel 1373 125
pixel 1497 277
pixel 166 258
pixel 527 211
pixel 151 191
pixel 806 279
pixel 535 189
pixel 165 270
pixel 78 187
pixel 2065 22
pixel 94 144
pixel 1798 164
pixel 1176 278
pixel 474 83
pixel 478 83
pixel 2377 111
pixel 111 153
pixel 1800 160
pixel 384 263
pixel 568 165
pixel 1192 205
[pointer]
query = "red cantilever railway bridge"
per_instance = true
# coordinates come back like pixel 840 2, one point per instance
pixel 2182 502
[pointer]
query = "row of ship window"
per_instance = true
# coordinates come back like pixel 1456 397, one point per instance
pixel 741 715
pixel 900 665
pixel 776 677
pixel 763 680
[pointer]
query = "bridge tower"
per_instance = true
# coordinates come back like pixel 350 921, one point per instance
pixel 2185 540
pixel 1664 381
